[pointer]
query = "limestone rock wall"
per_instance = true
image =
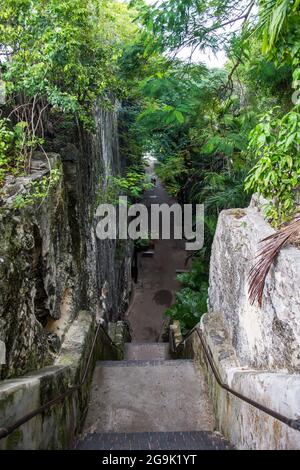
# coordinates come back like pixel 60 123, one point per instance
pixel 51 263
pixel 267 337
pixel 244 425
pixel 256 350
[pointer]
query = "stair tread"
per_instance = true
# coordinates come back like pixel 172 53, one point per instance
pixel 143 351
pixel 190 440
pixel 147 343
pixel 146 362
pixel 148 396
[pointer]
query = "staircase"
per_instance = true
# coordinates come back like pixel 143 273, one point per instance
pixel 149 402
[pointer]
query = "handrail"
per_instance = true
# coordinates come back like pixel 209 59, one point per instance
pixel 4 432
pixel 292 423
pixel 176 347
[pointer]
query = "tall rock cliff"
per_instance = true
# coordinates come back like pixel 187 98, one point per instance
pixel 52 265
pixel 256 349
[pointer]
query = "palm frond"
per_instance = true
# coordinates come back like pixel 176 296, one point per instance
pixel 273 17
pixel 267 255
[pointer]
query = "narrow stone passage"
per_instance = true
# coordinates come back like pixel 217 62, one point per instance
pixel 148 400
pixel 157 283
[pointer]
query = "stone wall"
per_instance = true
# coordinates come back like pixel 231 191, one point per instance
pixel 51 263
pixel 245 426
pixel 256 350
pixel 267 337
pixel 57 427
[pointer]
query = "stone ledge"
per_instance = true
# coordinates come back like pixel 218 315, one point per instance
pixel 73 346
pixel 40 167
pixel 245 426
pixel 57 427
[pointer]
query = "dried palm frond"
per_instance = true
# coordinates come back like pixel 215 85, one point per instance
pixel 272 246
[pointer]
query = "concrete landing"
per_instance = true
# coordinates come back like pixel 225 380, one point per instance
pixel 146 351
pixel 148 396
pixel 201 440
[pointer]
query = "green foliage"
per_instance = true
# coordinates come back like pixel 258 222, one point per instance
pixel 143 243
pixel 279 28
pixel 58 58
pixel 133 185
pixel 193 23
pixel 14 144
pixel 204 150
pixel 275 140
pixel 191 300
pixel 200 120
pixel 64 51
pixel 218 122
pixel 6 141
pixel 38 190
pixel 171 171
pixel 189 307
pixel 276 175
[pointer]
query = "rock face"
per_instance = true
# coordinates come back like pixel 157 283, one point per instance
pixel 255 350
pixel 51 263
pixel 244 425
pixel 57 427
pixel 267 337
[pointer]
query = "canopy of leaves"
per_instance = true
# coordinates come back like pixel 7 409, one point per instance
pixel 195 23
pixel 210 128
pixel 65 51
pixel 57 59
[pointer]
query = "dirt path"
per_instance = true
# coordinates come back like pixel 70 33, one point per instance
pixel 157 284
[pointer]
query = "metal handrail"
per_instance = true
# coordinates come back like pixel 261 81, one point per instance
pixel 176 347
pixel 4 432
pixel 292 423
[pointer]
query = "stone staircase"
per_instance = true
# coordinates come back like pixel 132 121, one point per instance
pixel 150 402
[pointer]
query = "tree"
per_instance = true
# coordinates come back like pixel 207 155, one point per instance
pixel 58 57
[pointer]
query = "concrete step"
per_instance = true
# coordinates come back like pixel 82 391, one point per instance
pixel 144 351
pixel 148 396
pixel 201 440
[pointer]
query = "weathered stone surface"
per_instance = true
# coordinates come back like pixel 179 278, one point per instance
pixel 56 427
pixel 245 426
pixel 256 350
pixel 267 337
pixel 148 396
pixel 119 332
pixel 146 351
pixel 51 263
pixel 191 440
